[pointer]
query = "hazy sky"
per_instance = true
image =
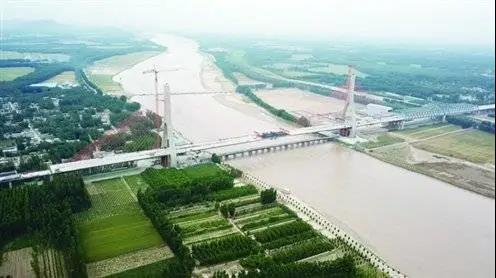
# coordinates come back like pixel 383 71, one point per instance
pixel 436 21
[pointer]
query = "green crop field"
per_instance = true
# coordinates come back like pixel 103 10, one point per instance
pixel 115 224
pixel 102 72
pixel 472 145
pixel 136 183
pixel 9 74
pixel 427 131
pixel 383 140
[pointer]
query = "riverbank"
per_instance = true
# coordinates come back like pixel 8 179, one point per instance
pixel 444 152
pixel 425 227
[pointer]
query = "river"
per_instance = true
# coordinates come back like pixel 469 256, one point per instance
pixel 198 118
pixel 422 226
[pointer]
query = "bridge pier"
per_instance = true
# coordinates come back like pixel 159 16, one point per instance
pixel 165 161
pixel 396 125
pixel 345 132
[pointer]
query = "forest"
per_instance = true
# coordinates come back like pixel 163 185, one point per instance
pixel 45 213
pixel 447 75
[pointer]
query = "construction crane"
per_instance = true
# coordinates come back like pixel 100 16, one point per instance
pixel 155 73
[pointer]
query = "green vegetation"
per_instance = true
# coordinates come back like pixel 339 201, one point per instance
pixel 232 193
pixel 268 196
pixel 472 145
pixel 136 183
pixel 66 77
pixel 466 122
pixel 46 212
pixel 154 270
pixel 11 73
pixel 289 240
pixel 301 250
pixel 56 112
pixel 101 72
pixel 226 249
pixel 281 113
pixel 274 233
pixel 383 140
pixel 427 131
pixel 115 224
pixel 193 184
pixel 423 73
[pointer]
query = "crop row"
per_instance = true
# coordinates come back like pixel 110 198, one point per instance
pixel 267 222
pixel 205 227
pixel 260 215
pixel 223 250
pixel 302 250
pixel 183 217
pixel 274 233
pixel 280 242
pixel 235 192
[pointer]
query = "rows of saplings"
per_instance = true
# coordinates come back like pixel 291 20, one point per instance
pixel 45 213
pixel 171 188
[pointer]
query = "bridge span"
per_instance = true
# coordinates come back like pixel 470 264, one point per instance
pixel 245 140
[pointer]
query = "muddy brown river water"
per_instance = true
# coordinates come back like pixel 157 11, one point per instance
pixel 422 226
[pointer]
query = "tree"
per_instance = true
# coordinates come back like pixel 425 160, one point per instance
pixel 221 274
pixel 228 210
pixel 216 159
pixel 303 121
pixel 268 196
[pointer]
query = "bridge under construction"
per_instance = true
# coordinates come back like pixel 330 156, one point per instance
pixel 167 151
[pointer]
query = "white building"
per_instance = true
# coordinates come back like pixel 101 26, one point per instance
pixel 376 110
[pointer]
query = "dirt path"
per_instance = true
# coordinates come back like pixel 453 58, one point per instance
pixel 129 188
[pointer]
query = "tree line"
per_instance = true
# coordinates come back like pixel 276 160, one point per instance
pixel 45 212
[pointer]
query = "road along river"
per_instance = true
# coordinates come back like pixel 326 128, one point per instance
pixel 422 226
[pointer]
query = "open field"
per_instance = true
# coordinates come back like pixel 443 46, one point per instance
pixel 51 263
pixel 473 145
pixel 136 183
pixel 11 73
pixel 66 77
pixel 115 224
pixel 464 158
pixel 34 56
pixel 102 72
pixel 128 262
pixel 17 264
pixel 336 69
pixel 427 131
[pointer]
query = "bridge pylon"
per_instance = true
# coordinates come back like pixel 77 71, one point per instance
pixel 350 104
pixel 167 131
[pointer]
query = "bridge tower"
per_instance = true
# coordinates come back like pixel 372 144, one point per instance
pixel 350 104
pixel 167 130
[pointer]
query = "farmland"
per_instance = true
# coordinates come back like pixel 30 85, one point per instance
pixel 462 157
pixel 11 73
pixel 102 71
pixel 115 228
pixel 134 229
pixel 66 77
pixel 235 229
pixel 473 145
